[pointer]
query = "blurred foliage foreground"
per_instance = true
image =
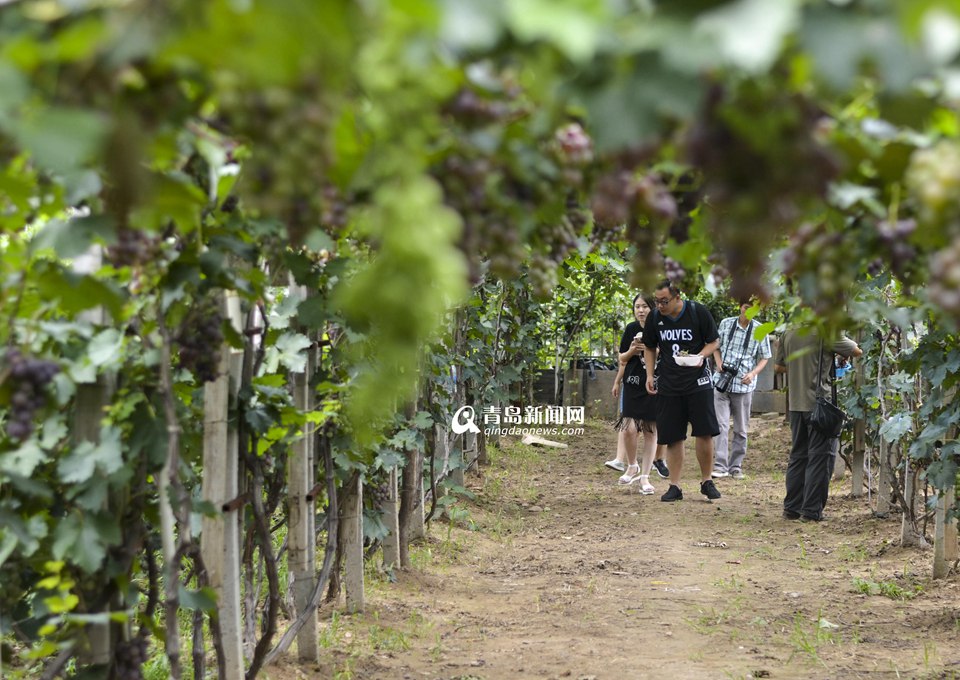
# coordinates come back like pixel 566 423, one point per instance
pixel 409 185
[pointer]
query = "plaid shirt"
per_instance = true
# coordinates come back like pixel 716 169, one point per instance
pixel 733 351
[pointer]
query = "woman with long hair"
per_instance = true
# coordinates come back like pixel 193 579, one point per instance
pixel 638 411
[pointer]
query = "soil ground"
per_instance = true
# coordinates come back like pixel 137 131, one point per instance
pixel 554 572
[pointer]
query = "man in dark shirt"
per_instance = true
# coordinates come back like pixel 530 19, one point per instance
pixel 685 393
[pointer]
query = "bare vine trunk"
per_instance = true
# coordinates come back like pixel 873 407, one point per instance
pixel 909 533
pixel 171 508
pixel 412 477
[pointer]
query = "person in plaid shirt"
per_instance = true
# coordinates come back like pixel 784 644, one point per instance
pixel 744 357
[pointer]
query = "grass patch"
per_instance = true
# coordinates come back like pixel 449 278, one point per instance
pixel 887 589
pixel 808 642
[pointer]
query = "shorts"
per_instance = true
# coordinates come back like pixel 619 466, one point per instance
pixel 696 408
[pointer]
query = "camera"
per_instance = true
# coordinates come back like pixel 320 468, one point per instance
pixel 725 379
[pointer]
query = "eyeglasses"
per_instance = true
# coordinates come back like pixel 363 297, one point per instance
pixel 661 302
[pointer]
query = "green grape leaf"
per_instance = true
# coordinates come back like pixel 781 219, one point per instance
pixel 61 139
pixel 281 313
pixel 204 599
pixel 750 33
pixel 172 196
pixel 896 426
pixel 76 292
pixel 14 89
pixel 942 474
pixel 468 25
pixel 85 538
pixel 70 238
pixel 106 349
pixel 314 312
pixel 288 351
pixel 24 460
pixel 7 544
pixel 423 420
pixel 574 28
pixel 80 464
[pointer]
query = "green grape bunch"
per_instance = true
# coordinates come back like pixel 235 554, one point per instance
pixel 758 146
pixel 944 283
pixel 933 180
pixel 816 257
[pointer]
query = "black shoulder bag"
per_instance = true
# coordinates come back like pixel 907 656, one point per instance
pixel 827 417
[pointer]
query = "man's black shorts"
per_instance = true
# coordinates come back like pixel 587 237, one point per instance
pixel 673 414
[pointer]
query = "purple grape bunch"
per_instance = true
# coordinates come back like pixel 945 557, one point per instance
pixel 30 377
pixel 674 270
pixel 199 337
pixel 574 146
pixel 129 657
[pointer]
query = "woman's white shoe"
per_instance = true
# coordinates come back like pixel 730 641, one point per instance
pixel 631 475
pixel 646 488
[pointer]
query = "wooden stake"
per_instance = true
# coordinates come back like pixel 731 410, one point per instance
pixel 457 460
pixel 944 536
pixel 391 542
pixel 220 538
pixel 352 526
pixel 859 434
pixel 300 535
pixel 90 402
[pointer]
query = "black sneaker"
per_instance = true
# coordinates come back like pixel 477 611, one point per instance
pixel 791 515
pixel 662 468
pixel 673 494
pixel 709 489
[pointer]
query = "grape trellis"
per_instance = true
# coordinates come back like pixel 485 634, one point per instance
pixel 253 255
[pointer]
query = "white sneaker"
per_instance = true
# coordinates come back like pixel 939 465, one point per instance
pixel 738 474
pixel 717 474
pixel 616 465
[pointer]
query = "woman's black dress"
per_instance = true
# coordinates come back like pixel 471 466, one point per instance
pixel 637 404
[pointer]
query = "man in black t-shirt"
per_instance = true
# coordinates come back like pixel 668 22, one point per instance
pixel 685 393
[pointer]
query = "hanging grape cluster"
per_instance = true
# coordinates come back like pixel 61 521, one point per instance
pixel 944 286
pixel 30 377
pixel 933 179
pixel 129 657
pixel 132 248
pixel 376 489
pixel 282 178
pixel 471 110
pixel 759 151
pixel 674 270
pixel 542 275
pixel 199 338
pixel 894 241
pixel 487 229
pixel 574 150
pixel 613 204
pixel 816 257
pixel 496 191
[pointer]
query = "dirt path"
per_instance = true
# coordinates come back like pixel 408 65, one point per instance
pixel 557 573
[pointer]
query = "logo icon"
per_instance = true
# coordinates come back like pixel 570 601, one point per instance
pixel 466 423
